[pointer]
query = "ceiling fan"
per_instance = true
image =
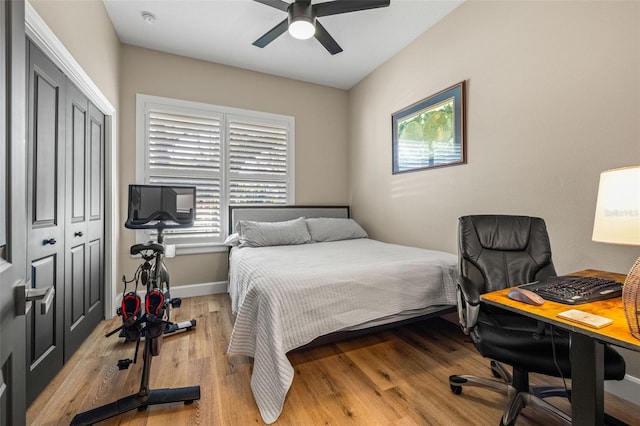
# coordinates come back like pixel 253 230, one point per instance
pixel 302 22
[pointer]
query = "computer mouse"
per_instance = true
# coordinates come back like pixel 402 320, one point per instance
pixel 526 296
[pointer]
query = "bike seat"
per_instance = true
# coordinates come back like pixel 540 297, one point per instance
pixel 149 245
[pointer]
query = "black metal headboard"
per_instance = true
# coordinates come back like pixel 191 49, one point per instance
pixel 281 212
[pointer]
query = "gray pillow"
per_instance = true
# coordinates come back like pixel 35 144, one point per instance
pixel 263 234
pixel 334 229
pixel 232 240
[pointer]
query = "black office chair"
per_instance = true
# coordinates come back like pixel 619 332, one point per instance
pixel 497 252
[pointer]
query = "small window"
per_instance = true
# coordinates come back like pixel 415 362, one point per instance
pixel 231 156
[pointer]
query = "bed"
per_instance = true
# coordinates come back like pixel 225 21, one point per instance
pixel 290 290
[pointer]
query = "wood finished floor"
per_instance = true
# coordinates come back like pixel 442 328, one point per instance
pixel 397 377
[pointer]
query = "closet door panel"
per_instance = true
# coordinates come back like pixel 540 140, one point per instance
pixel 84 307
pixel 95 175
pixel 76 307
pixel 45 204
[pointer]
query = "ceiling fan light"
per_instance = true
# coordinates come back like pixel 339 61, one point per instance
pixel 302 28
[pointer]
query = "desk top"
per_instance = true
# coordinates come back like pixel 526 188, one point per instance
pixel 617 333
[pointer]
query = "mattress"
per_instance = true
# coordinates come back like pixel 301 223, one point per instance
pixel 286 296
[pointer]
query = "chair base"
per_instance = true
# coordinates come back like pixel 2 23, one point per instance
pixel 521 393
pixel 532 398
pixel 535 397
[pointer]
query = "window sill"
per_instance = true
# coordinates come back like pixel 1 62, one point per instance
pixel 200 248
pixel 187 249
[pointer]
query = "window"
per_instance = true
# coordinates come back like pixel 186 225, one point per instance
pixel 232 156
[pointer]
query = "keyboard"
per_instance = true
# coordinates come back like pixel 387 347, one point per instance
pixel 574 290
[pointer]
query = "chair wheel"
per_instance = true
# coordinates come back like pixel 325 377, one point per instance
pixel 456 389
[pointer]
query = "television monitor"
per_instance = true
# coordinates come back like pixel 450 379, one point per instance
pixel 161 206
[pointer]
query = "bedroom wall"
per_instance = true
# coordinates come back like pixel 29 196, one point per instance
pixel 321 133
pixel 553 100
pixel 85 29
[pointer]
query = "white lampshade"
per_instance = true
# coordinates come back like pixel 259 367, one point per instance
pixel 302 28
pixel 618 221
pixel 617 217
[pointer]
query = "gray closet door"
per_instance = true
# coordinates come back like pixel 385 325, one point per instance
pixel 45 234
pixel 13 212
pixel 84 220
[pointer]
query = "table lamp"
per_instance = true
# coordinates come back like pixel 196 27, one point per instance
pixel 617 221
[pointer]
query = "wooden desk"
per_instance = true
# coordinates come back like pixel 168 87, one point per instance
pixel 587 349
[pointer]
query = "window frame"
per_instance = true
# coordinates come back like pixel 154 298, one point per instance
pixel 146 102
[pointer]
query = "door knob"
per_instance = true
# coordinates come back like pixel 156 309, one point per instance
pixel 25 295
pixel 78 234
pixel 51 241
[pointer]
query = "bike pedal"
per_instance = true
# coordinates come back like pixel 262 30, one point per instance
pixel 155 303
pixel 131 312
pixel 130 308
pixel 175 303
pixel 123 364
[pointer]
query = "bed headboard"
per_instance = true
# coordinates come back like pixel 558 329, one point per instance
pixel 281 213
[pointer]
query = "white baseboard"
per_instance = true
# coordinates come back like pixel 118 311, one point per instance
pixel 193 290
pixel 189 290
pixel 627 388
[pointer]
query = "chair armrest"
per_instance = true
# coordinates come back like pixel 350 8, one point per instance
pixel 469 291
pixel 468 304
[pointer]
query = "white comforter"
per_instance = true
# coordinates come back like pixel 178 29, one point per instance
pixel 286 296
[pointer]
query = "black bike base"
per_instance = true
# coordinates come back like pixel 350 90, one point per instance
pixel 137 401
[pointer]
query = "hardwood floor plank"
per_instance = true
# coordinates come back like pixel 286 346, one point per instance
pixel 397 377
pixel 380 363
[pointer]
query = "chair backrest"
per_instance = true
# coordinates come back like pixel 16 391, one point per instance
pixel 499 251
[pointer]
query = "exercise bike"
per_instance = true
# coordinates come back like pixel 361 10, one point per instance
pixel 159 208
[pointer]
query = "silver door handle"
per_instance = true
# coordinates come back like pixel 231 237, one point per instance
pixel 24 296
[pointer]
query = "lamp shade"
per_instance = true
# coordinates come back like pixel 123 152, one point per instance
pixel 617 221
pixel 617 218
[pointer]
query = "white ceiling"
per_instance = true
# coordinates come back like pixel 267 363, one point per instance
pixel 223 31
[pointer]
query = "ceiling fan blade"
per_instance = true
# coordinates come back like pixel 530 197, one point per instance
pixel 346 6
pixel 278 4
pixel 326 40
pixel 272 34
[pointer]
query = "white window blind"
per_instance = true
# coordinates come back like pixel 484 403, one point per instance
pixel 257 161
pixel 185 150
pixel 232 157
